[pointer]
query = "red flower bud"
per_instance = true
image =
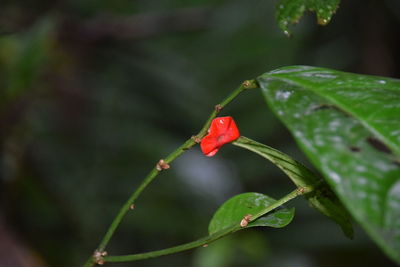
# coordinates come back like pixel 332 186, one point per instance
pixel 223 130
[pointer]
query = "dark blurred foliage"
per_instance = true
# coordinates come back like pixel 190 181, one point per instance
pixel 93 93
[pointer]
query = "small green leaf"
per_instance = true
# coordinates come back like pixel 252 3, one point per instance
pixel 233 211
pixel 322 199
pixel 349 126
pixel 290 11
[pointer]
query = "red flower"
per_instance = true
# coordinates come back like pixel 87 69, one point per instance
pixel 223 130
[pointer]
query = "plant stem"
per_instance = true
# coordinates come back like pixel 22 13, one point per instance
pixel 211 238
pixel 250 84
pixel 295 193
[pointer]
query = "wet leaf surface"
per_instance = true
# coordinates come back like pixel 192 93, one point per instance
pixel 349 127
pixel 290 11
pixel 237 207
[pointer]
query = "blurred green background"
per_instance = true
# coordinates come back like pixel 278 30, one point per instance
pixel 93 93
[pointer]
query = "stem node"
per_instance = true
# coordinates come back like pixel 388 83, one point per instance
pixel 196 139
pixel 301 190
pixel 162 165
pixel 218 108
pixel 245 221
pixel 250 84
pixel 98 257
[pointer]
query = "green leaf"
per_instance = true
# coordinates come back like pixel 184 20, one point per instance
pixel 297 172
pixel 322 198
pixel 290 11
pixel 233 211
pixel 349 126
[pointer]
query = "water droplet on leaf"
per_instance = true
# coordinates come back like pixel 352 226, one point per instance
pixel 287 33
pixel 322 21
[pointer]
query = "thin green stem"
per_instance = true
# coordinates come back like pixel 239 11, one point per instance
pixel 295 193
pixel 194 244
pixel 211 238
pixel 250 84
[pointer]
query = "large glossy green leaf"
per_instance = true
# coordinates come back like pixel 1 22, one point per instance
pixel 322 198
pixel 290 11
pixel 235 208
pixel 349 127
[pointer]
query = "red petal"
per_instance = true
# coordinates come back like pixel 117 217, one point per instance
pixel 212 153
pixel 223 130
pixel 208 145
